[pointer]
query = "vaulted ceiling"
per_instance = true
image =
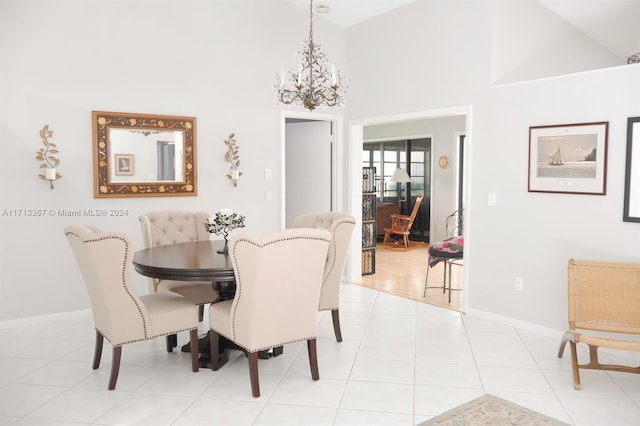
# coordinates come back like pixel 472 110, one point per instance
pixel 614 24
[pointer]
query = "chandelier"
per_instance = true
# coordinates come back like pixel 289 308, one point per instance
pixel 316 83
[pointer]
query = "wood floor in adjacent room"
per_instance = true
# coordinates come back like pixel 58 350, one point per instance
pixel 403 273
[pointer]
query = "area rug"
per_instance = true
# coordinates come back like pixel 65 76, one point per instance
pixel 491 410
pixel 399 246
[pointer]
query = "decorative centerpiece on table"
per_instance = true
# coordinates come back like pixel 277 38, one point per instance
pixel 223 223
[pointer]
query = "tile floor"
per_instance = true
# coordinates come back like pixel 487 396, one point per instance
pixel 401 363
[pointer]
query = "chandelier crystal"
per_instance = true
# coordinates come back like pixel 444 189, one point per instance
pixel 316 82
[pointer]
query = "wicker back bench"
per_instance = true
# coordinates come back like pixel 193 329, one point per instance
pixel 604 311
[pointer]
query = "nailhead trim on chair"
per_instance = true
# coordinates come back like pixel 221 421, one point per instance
pixel 124 268
pixel 239 279
pixel 144 339
pixel 270 346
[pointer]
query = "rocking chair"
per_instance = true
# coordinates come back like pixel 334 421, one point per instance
pixel 401 224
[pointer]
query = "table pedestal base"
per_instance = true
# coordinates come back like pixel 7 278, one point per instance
pixel 224 346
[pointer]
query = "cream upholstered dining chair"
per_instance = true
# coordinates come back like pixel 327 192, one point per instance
pixel 119 313
pixel 340 225
pixel 278 280
pixel 177 226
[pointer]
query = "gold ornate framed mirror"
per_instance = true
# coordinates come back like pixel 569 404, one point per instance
pixel 143 155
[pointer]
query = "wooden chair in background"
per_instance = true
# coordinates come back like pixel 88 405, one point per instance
pixel 401 224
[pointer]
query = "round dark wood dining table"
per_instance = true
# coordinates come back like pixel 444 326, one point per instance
pixel 191 261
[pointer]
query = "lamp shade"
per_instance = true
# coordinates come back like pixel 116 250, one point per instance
pixel 399 176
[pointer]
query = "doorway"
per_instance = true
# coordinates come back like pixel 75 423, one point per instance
pixel 310 164
pixel 356 133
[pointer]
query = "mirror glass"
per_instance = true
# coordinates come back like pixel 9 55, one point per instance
pixel 137 155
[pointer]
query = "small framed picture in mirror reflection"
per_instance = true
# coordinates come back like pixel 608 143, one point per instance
pixel 124 164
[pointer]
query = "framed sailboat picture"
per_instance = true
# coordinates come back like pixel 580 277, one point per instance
pixel 569 158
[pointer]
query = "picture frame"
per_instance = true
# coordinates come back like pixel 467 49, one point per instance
pixel 569 158
pixel 124 164
pixel 631 212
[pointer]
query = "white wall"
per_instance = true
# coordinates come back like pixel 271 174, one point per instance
pixel 526 235
pixel 532 235
pixel 530 41
pixel 214 60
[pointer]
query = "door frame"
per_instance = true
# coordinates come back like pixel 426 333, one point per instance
pixel 337 158
pixel 354 178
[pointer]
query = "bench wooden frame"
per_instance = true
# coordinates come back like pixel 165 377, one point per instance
pixel 604 297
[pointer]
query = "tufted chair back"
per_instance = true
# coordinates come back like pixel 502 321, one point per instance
pixel 119 313
pixel 278 280
pixel 172 226
pixel 340 225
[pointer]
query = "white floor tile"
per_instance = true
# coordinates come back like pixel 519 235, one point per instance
pixel 305 391
pixel 599 411
pixel 18 400
pixel 58 373
pixel 401 362
pixel 210 411
pixel 514 380
pixel 141 409
pixel 237 386
pixel 78 405
pixel 385 397
pixel 329 367
pixel 380 370
pixel 454 375
pixel 284 415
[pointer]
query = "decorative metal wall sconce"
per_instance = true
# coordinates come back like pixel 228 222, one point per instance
pixel 233 157
pixel 46 155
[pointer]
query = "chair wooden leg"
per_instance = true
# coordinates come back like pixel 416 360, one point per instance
pixel 574 362
pixel 405 240
pixel 193 339
pixel 172 342
pixel 565 338
pixel 214 342
pixel 335 316
pixel 386 237
pixel 313 358
pixel 253 374
pixel 200 313
pixel 97 353
pixel 115 367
